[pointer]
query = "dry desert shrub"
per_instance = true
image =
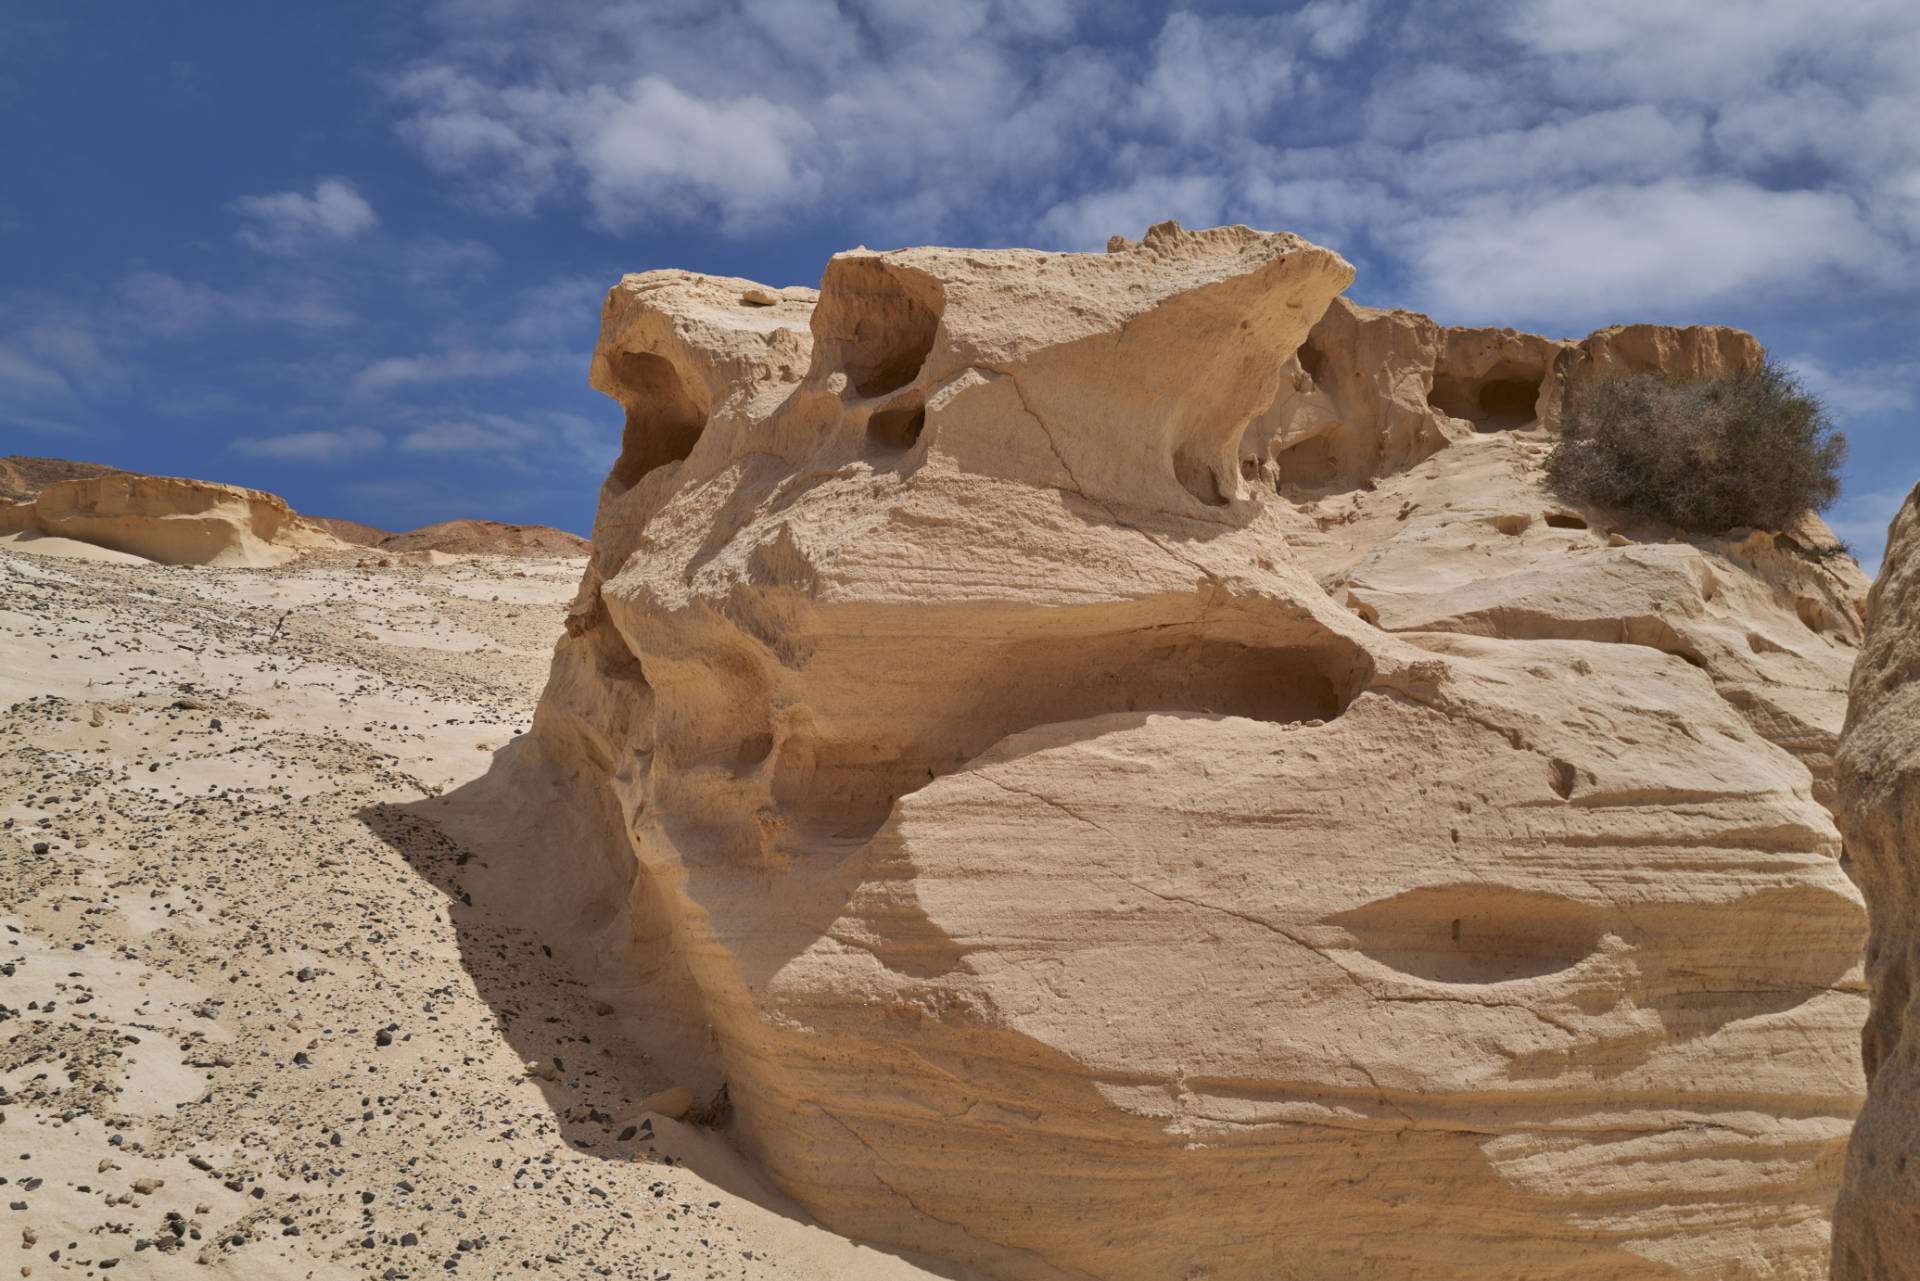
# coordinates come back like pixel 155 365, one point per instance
pixel 1751 448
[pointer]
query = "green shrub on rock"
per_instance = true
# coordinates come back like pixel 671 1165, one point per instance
pixel 1752 448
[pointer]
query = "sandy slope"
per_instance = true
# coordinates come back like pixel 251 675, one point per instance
pixel 222 880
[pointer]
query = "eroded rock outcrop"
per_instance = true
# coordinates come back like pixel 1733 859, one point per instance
pixel 1875 1236
pixel 169 519
pixel 1091 837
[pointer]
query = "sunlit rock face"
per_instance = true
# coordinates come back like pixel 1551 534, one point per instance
pixel 168 519
pixel 1091 840
pixel 1875 1234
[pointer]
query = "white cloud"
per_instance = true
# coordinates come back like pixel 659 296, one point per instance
pixel 1638 142
pixel 654 147
pixel 1539 154
pixel 1621 250
pixel 544 441
pixel 562 312
pixel 406 371
pixel 1703 52
pixel 288 221
pixel 496 435
pixel 24 375
pixel 167 306
pixel 1334 27
pixel 1871 389
pixel 70 346
pixel 328 446
pixel 1214 76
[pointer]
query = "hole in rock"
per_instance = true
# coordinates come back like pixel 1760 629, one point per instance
pixel 1196 475
pixel 897 428
pixel 1812 613
pixel 1564 520
pixel 1312 359
pixel 664 418
pixel 1474 932
pixel 1311 463
pixel 1506 403
pixel 1501 401
pixel 1562 776
pixel 844 775
pixel 877 322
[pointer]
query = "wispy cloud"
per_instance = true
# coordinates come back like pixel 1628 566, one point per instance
pixel 23 375
pixel 1862 389
pixel 406 371
pixel 160 304
pixel 1633 248
pixel 1513 159
pixel 324 446
pixel 289 221
pixel 546 440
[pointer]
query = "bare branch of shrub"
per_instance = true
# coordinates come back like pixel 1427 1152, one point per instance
pixel 1753 448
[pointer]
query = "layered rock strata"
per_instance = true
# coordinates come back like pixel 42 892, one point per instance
pixel 1097 822
pixel 169 519
pixel 1875 1235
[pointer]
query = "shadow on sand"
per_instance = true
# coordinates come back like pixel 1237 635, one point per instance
pixel 594 1038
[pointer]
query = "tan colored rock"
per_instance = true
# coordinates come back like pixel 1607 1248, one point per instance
pixel 1696 351
pixel 1773 619
pixel 170 520
pixel 1875 1236
pixel 1078 859
pixel 1372 391
pixel 486 538
pixel 1355 402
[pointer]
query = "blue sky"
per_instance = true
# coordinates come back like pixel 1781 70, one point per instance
pixel 353 252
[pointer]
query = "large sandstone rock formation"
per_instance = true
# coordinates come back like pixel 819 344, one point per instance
pixel 169 519
pixel 176 521
pixel 1876 1236
pixel 1122 771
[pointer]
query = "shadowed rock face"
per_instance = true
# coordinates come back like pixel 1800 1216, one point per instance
pixel 1008 791
pixel 1874 1232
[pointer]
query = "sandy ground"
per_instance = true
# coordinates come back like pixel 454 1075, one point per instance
pixel 251 1023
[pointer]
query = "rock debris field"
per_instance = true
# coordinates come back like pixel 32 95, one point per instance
pixel 252 1022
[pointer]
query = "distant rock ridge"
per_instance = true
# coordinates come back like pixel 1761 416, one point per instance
pixel 178 521
pixel 1121 768
pixel 22 475
pixel 169 519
